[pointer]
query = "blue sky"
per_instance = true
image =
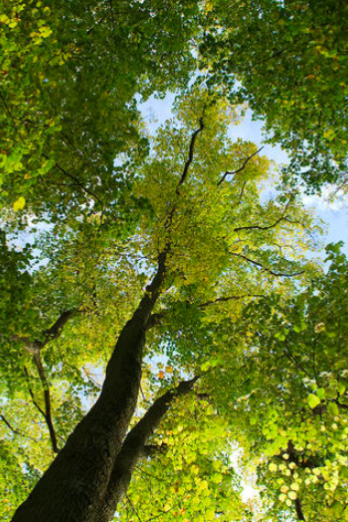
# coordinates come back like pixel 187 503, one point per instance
pixel 334 214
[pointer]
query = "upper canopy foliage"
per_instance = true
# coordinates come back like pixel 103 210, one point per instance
pixel 291 60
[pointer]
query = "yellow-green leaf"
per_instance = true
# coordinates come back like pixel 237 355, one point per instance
pixel 19 204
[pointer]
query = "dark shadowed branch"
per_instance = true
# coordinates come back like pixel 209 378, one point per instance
pixel 228 298
pixel 232 172
pixel 14 430
pixel 191 153
pixel 47 398
pixel 133 449
pixel 265 269
pixel 298 507
pixel 77 181
pixel 56 329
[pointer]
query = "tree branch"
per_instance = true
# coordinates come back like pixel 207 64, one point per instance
pixel 258 227
pixel 265 269
pixel 191 152
pixel 52 333
pixel 227 298
pixel 231 173
pixel 154 319
pixel 133 449
pixel 56 329
pixel 150 450
pixel 14 430
pixel 298 507
pixel 37 406
pixel 78 183
pixel 46 414
pixel 47 398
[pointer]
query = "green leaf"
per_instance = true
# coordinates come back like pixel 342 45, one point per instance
pixel 313 400
pixel 333 409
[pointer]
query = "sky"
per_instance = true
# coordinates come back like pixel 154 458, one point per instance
pixel 334 214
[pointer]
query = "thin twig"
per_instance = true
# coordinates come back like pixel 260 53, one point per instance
pixel 78 183
pixel 227 298
pixel 14 430
pixel 133 508
pixel 47 398
pixel 269 270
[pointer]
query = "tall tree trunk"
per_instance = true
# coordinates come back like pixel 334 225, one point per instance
pixel 76 482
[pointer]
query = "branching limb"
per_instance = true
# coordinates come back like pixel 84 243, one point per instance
pixel 54 332
pixel 47 413
pixel 133 449
pixel 37 406
pixel 232 172
pixel 258 227
pixel 154 319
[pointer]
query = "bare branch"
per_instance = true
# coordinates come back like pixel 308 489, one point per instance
pixel 191 152
pixel 77 181
pixel 265 269
pixel 14 430
pixel 228 298
pixel 231 173
pixel 56 329
pixel 47 398
pixel 258 227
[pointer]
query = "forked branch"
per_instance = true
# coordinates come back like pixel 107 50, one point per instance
pixel 244 164
pixel 133 449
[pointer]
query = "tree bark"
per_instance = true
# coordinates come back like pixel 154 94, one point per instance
pixel 133 450
pixel 74 485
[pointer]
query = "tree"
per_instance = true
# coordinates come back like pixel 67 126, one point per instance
pixel 162 262
pixel 291 61
pixel 209 242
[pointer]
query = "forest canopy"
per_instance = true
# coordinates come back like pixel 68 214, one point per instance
pixel 170 334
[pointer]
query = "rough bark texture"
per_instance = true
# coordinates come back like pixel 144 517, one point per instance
pixel 133 449
pixel 73 487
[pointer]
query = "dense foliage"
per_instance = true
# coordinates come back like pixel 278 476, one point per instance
pixel 291 61
pixel 166 264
